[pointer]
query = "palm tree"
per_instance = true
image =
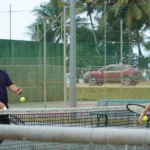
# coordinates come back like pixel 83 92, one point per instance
pixel 89 7
pixel 135 16
pixel 53 13
pixel 36 31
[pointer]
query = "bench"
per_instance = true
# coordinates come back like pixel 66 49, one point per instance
pixel 120 102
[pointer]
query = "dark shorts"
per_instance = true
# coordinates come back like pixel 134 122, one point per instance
pixel 4 119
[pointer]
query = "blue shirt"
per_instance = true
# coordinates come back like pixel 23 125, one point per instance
pixel 5 82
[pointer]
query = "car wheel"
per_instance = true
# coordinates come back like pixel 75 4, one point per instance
pixel 100 83
pixel 133 83
pixel 126 81
pixel 92 81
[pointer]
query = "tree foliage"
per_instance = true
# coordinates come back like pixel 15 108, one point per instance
pixel 90 28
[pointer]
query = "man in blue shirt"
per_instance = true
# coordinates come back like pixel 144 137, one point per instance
pixel 6 82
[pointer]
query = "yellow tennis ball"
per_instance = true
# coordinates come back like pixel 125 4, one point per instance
pixel 145 118
pixel 22 99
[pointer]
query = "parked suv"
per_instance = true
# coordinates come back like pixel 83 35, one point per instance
pixel 130 75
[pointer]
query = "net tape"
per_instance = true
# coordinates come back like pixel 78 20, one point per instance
pixel 60 110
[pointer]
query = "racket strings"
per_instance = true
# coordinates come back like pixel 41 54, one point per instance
pixel 136 109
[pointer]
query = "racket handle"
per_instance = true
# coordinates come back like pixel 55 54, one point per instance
pixel 4 107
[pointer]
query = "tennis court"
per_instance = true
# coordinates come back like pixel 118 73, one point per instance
pixel 55 104
pixel 105 55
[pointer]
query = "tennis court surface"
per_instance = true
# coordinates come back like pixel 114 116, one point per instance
pixel 53 104
pixel 96 117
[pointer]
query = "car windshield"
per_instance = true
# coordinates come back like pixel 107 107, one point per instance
pixel 102 69
pixel 111 68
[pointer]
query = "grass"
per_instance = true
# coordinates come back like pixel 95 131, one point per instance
pixel 112 91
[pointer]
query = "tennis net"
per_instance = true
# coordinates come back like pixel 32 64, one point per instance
pixel 116 117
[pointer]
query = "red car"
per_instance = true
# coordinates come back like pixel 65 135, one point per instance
pixel 113 73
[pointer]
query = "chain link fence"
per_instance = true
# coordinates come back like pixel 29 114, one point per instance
pixel 29 75
pixel 100 42
pixel 105 82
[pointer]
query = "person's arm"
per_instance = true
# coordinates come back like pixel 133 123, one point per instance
pixel 144 113
pixel 15 89
pixel 10 84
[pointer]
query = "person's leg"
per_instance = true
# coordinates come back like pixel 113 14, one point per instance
pixel 4 119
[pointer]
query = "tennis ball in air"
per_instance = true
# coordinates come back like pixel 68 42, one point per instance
pixel 22 99
pixel 145 118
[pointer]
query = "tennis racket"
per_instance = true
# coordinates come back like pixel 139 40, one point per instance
pixel 14 119
pixel 138 109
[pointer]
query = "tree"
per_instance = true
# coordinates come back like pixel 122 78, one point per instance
pixel 53 13
pixel 135 16
pixel 89 7
pixel 36 31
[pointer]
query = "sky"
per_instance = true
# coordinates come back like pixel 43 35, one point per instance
pixel 21 18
